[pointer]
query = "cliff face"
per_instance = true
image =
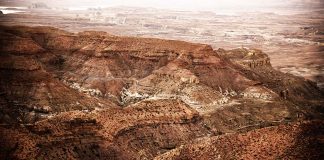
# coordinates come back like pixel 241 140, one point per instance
pixel 93 95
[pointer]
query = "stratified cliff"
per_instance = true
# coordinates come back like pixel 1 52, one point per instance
pixel 92 95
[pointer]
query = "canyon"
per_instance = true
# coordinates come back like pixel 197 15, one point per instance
pixel 291 35
pixel 94 95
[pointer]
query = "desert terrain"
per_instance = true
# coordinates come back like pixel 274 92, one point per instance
pixel 292 37
pixel 143 83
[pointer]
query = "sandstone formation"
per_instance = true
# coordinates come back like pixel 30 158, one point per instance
pixel 92 95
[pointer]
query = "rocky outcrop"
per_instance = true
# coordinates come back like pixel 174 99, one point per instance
pixel 251 58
